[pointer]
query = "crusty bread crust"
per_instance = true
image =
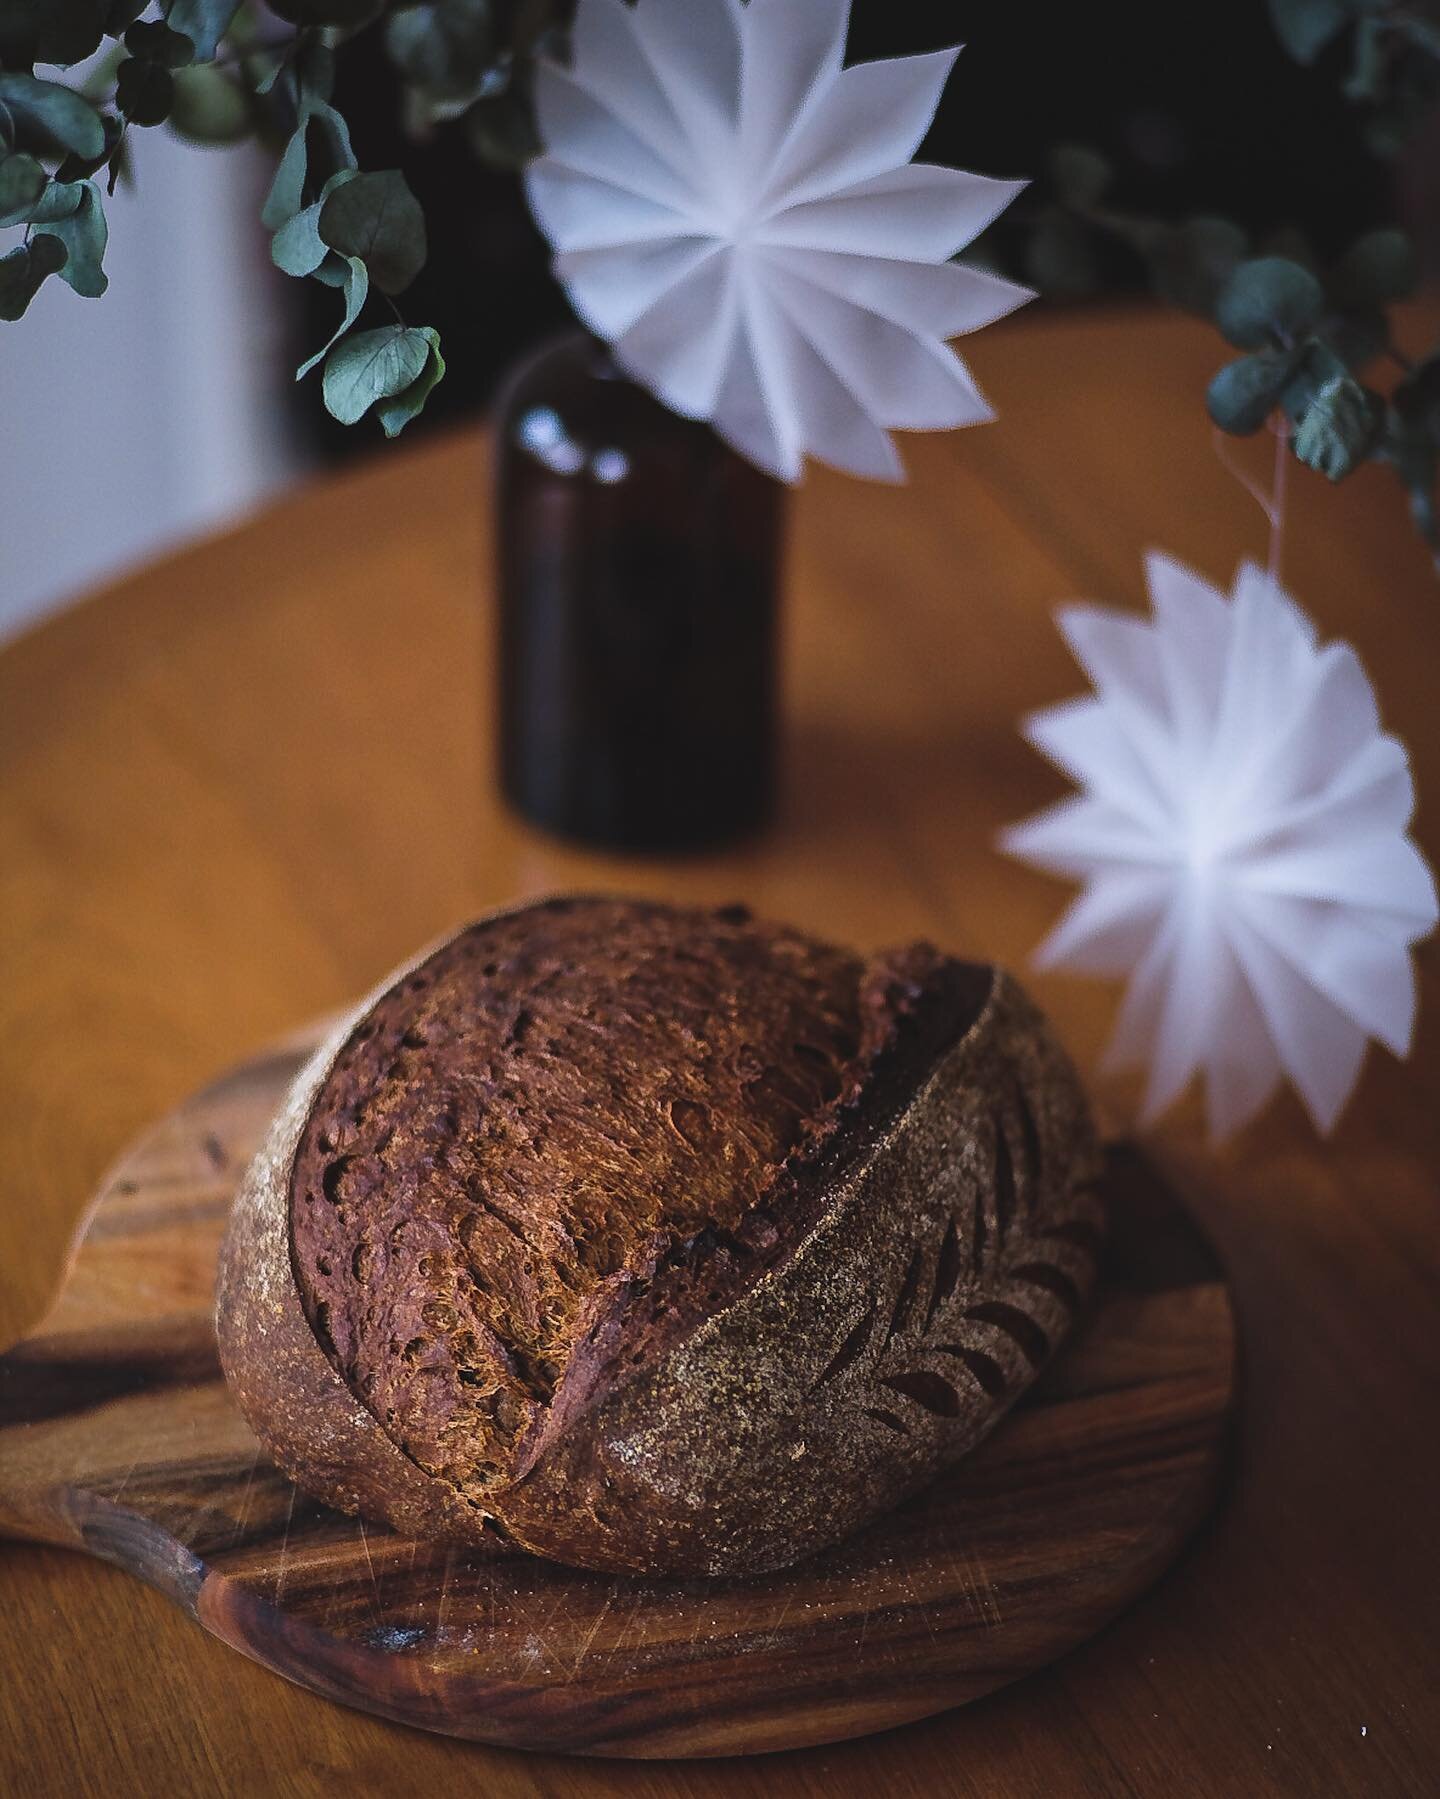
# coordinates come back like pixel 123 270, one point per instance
pixel 942 1261
pixel 519 1133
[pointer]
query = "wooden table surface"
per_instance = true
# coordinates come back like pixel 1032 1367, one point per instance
pixel 237 787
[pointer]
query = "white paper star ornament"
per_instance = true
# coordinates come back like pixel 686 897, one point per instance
pixel 1241 834
pixel 737 214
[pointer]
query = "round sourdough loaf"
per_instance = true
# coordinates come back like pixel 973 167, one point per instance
pixel 655 1239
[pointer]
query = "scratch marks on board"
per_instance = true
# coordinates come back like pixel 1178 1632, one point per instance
pixel 283 1570
pixel 369 1564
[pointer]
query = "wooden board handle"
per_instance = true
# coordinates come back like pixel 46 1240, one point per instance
pixel 60 1391
pixel 118 1436
pixel 35 1458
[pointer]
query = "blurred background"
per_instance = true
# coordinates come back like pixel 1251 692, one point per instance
pixel 1197 108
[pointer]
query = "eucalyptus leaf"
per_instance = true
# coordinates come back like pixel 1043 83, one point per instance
pixel 1366 82
pixel 1317 364
pixel 1305 27
pixel 1060 255
pixel 1080 175
pixel 22 182
pixel 21 22
pixel 121 168
pixel 287 190
pixel 369 366
pixel 80 168
pixel 1424 512
pixel 23 271
pixel 327 142
pixel 84 234
pixel 153 41
pixel 53 31
pixel 263 71
pixel 52 117
pixel 1377 269
pixel 204 22
pixel 297 246
pixel 357 287
pixel 1358 337
pixel 1340 428
pixel 445 47
pixel 1417 399
pixel 1415 456
pixel 211 107
pixel 59 201
pixel 377 218
pixel 334 271
pixel 1396 73
pixel 501 128
pixel 349 13
pixel 318 149
pixel 394 415
pixel 1243 394
pixel 144 91
pixel 314 66
pixel 330 148
pixel 1195 261
pixel 1267 301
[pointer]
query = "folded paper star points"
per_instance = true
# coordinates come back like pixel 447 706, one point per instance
pixel 1241 833
pixel 738 215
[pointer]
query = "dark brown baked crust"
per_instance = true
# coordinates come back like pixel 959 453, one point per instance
pixel 668 1240
pixel 518 1131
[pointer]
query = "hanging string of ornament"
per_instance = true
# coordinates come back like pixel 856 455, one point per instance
pixel 1273 503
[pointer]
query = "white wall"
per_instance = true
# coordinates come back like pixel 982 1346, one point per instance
pixel 131 422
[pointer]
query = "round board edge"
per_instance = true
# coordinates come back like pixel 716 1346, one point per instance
pixel 226 1599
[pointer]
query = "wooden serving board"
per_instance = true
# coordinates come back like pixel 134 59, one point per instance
pixel 118 1436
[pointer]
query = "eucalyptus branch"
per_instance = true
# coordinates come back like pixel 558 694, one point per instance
pixel 218 72
pixel 1394 53
pixel 1309 333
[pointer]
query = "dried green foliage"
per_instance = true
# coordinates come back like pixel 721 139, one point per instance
pixel 1310 338
pixel 219 71
pixel 1317 340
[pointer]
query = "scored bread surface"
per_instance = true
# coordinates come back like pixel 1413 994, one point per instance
pixel 657 1239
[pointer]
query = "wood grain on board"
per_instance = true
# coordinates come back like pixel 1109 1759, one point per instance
pixel 239 786
pixel 117 1436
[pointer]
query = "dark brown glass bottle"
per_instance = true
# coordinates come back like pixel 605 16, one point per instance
pixel 638 581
